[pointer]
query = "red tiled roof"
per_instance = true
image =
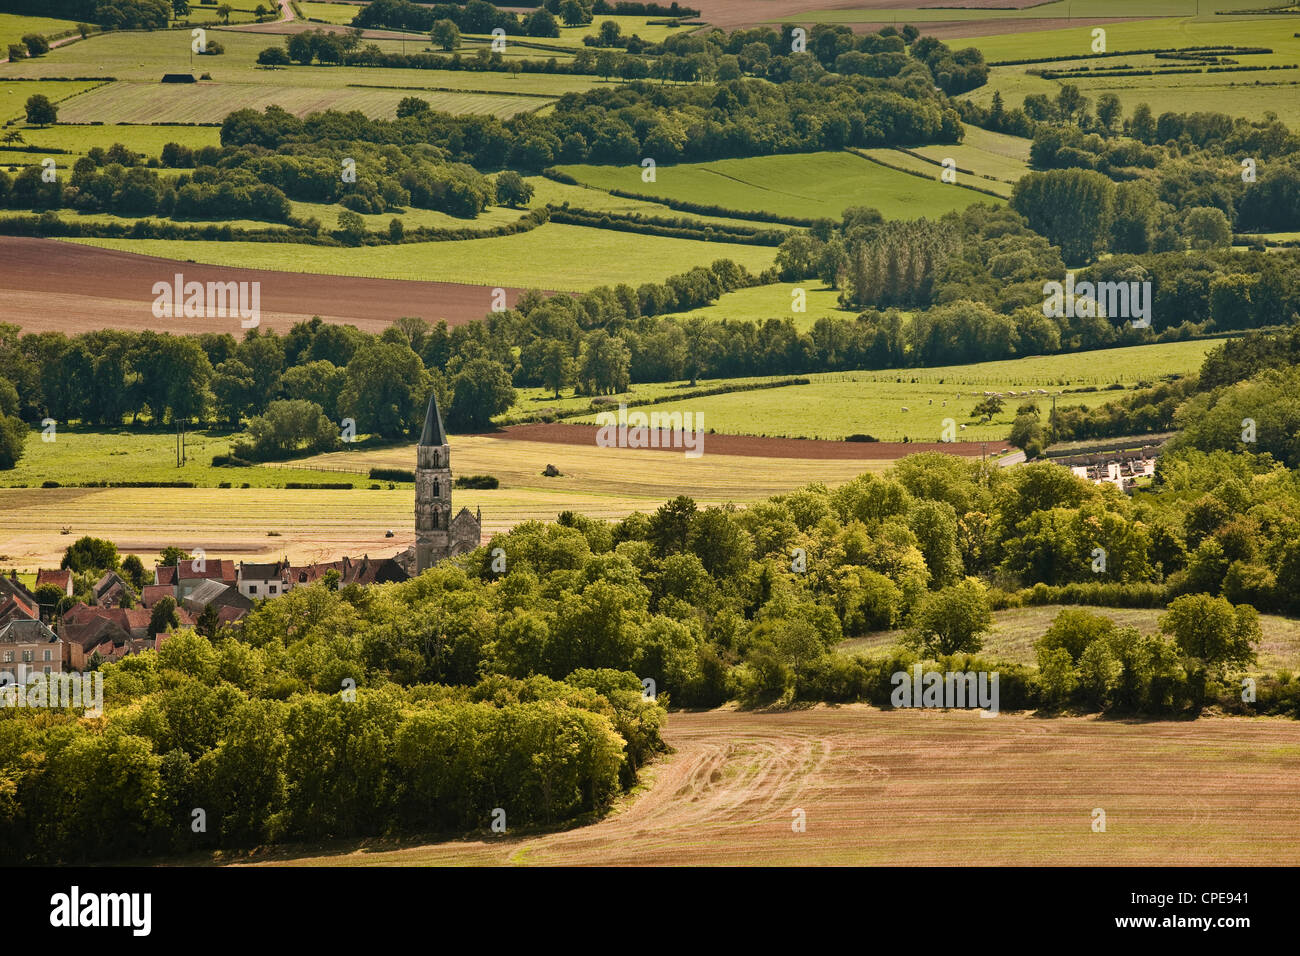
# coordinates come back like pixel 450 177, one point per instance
pixel 153 593
pixel 228 614
pixel 61 578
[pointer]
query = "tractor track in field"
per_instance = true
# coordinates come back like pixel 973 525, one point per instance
pixel 927 787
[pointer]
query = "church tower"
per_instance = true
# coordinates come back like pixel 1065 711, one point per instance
pixel 432 492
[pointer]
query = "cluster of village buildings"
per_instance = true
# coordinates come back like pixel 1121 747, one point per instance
pixel 115 622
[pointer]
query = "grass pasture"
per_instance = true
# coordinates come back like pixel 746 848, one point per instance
pixel 553 256
pixel 910 403
pixel 14 96
pixel 761 302
pixel 985 160
pixel 1247 94
pixel 923 787
pixel 13 27
pixel 341 13
pixel 803 185
pixel 144 138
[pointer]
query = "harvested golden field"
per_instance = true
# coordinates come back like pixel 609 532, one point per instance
pixel 324 524
pixel 1016 630
pixel 930 788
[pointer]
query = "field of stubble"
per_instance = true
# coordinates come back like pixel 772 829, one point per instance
pixel 929 787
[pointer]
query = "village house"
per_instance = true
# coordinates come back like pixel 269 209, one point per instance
pixel 112 591
pixel 222 596
pixel 16 602
pixel 151 594
pixel 28 647
pixel 257 581
pixel 185 575
pixel 60 578
pixel 110 633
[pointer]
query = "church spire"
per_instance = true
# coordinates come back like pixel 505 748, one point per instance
pixel 433 431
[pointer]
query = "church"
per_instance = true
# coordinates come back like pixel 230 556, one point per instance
pixel 437 534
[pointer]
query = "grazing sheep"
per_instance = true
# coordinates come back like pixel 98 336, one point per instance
pixel 963 428
pixel 904 408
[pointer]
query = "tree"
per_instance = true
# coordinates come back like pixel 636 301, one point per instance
pixel 352 228
pixel 180 8
pixel 291 426
pixel 557 366
pixel 412 106
pixel 90 554
pixel 40 111
pixel 224 10
pixel 1109 110
pixel 481 390
pixel 573 13
pixel 541 23
pixel 1071 207
pixel 446 34
pixel 386 389
pixel 163 616
pixel 987 407
pixel 13 438
pixel 207 622
pixel 36 44
pixel 171 555
pixel 1027 435
pixel 951 620
pixel 1207 227
pixel 133 568
pixel 512 190
pixel 274 56
pixel 670 525
pixel 1213 630
pixel 235 391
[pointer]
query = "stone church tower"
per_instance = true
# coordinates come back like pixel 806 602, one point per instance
pixel 437 534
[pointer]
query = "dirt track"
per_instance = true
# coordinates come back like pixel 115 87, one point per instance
pixel 929 787
pixel 752 446
pixel 47 285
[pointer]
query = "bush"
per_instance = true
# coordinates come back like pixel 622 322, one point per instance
pixel 392 474
pixel 477 481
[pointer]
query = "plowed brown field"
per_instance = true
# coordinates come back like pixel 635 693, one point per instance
pixel 46 285
pixel 754 446
pixel 931 787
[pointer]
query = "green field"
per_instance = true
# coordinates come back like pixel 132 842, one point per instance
pixel 546 192
pixel 803 185
pixel 85 455
pixel 761 302
pixel 838 404
pixel 142 138
pixel 1060 9
pixel 985 160
pixel 329 12
pixel 553 256
pixel 1016 630
pixel 14 96
pixel 14 27
pixel 1247 94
